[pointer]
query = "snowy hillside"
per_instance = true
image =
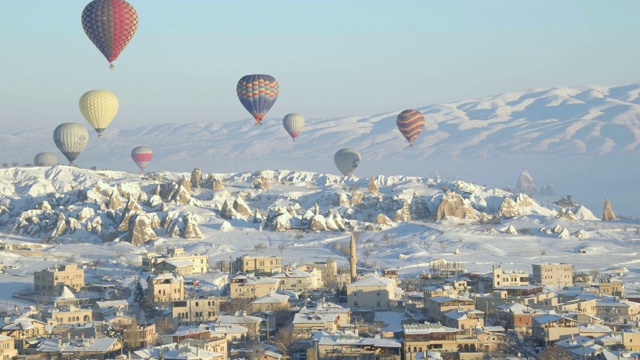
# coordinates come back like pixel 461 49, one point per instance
pixel 575 138
pixel 61 213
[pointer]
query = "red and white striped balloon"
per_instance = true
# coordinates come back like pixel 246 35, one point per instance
pixel 141 155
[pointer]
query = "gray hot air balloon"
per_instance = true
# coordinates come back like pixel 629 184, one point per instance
pixel 347 160
pixel 45 159
pixel 293 123
pixel 71 139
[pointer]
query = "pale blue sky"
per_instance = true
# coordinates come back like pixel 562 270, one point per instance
pixel 332 58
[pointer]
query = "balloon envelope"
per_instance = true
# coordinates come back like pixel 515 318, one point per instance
pixel 258 93
pixel 71 139
pixel 293 123
pixel 347 160
pixel 45 159
pixel 99 107
pixel 142 156
pixel 410 123
pixel 110 25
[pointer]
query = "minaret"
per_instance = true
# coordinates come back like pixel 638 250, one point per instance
pixel 353 259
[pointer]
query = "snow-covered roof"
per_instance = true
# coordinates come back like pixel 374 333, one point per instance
pixel 426 329
pixel 596 328
pixel 112 303
pixel 294 273
pixel 23 323
pixel 178 263
pixel 549 318
pixel 317 318
pixel 358 341
pixel 66 294
pixel 85 345
pixel 244 319
pixel 272 298
pixel 574 341
pixel 372 280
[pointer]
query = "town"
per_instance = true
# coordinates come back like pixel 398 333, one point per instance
pixel 264 309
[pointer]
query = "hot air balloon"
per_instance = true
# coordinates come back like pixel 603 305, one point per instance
pixel 71 139
pixel 293 123
pixel 410 124
pixel 258 93
pixel 347 160
pixel 45 159
pixel 110 25
pixel 99 107
pixel 142 156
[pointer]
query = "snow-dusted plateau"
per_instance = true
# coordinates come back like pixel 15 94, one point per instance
pixel 64 214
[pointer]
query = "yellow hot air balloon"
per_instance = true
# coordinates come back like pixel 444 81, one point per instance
pixel 99 107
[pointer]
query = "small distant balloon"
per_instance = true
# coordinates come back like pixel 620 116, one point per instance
pixel 293 124
pixel 45 159
pixel 110 25
pixel 71 138
pixel 142 156
pixel 410 123
pixel 99 107
pixel 347 160
pixel 258 93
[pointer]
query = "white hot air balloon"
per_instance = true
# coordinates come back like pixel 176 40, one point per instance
pixel 45 159
pixel 71 139
pixel 142 156
pixel 99 107
pixel 293 123
pixel 347 160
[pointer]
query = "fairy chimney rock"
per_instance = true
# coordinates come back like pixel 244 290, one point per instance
pixel 607 213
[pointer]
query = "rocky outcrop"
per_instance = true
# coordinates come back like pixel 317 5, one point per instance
pixel 453 204
pixel 261 183
pixel 217 185
pixel 342 200
pixel 191 228
pixel 317 223
pixel 523 200
pixel 357 198
pixel 241 207
pixel 525 184
pixel 196 178
pixel 382 219
pixel 257 217
pixel 279 220
pixel 186 184
pixel 509 209
pixel 115 202
pixel 404 213
pixel 172 191
pixel 373 187
pixel 334 221
pixel 511 230
pixel 607 213
pixel 140 230
pixel 85 213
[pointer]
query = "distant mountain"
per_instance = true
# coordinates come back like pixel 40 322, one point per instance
pixel 551 132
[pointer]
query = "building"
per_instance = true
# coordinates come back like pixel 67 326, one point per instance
pixel 298 281
pixel 503 277
pixel 231 332
pixel 348 345
pixel 179 267
pixel 139 336
pixel 371 292
pixel 631 339
pixel 80 348
pixel 271 302
pixel 195 311
pixel 251 323
pixel 177 352
pixel 549 328
pixel 436 307
pixel 25 331
pixel 613 309
pixel 259 265
pixel 164 288
pixel 423 337
pixel 553 274
pixel 200 262
pixel 611 288
pixel 53 280
pixel 243 287
pixel 327 270
pixel 463 320
pixel 68 315
pixel 7 348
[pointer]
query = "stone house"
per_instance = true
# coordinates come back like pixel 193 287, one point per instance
pixel 164 288
pixel 371 292
pixel 51 281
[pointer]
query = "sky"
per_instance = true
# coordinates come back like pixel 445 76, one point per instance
pixel 332 58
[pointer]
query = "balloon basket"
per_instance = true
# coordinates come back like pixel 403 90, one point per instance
pixel 258 124
pixel 111 67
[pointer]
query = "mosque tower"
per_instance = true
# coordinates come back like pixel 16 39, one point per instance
pixel 353 259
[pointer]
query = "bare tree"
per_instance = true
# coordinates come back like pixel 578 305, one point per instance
pixel 555 353
pixel 285 341
pixel 232 307
pixel 281 248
